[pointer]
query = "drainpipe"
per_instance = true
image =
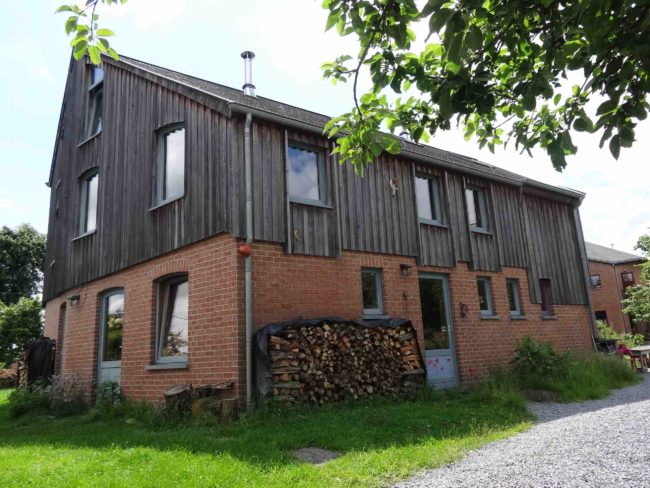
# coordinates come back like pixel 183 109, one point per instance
pixel 248 262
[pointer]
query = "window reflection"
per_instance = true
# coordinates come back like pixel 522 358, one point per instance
pixel 304 173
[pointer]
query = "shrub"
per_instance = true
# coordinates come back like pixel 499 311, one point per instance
pixel 109 395
pixel 537 360
pixel 62 396
pixel 25 400
pixel 605 331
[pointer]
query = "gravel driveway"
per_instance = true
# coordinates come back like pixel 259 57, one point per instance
pixel 599 443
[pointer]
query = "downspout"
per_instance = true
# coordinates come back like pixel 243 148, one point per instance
pixel 248 262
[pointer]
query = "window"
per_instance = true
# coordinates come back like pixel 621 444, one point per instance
pixel 601 315
pixel 95 112
pixel 171 330
pixel 545 289
pixel 485 296
pixel 627 278
pixel 428 197
pixel 514 301
pixel 112 317
pixel 171 164
pixel 595 281
pixel 89 186
pixel 306 174
pixel 476 212
pixel 373 303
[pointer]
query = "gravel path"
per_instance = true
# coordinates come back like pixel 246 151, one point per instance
pixel 599 443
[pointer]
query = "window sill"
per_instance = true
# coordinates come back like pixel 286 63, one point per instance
pixel 312 203
pixel 518 317
pixel 367 316
pixel 490 317
pixel 549 317
pixel 85 234
pixel 433 223
pixel 154 367
pixel 90 138
pixel 166 202
pixel 480 231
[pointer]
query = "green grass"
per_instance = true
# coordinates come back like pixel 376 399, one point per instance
pixel 380 442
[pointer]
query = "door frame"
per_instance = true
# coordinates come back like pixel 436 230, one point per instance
pixel 450 325
pixel 104 296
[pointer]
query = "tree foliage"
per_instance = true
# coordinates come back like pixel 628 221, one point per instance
pixel 637 301
pixel 497 68
pixel 22 253
pixel 20 323
pixel 88 37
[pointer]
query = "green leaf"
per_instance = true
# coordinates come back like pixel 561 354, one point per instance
pixel 626 136
pixel 93 52
pixel 440 19
pixel 474 38
pixel 452 67
pixel 332 19
pixel 391 144
pixel 71 24
pixel 615 146
pixel 105 33
pixel 79 50
pixel 63 8
pixel 606 107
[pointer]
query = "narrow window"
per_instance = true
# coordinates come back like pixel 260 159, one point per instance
pixel 595 281
pixel 476 213
pixel 95 102
pixel 373 303
pixel 601 315
pixel 171 164
pixel 89 186
pixel 514 301
pixel 112 317
pixel 171 331
pixel 545 289
pixel 627 278
pixel 428 197
pixel 60 346
pixel 485 297
pixel 306 174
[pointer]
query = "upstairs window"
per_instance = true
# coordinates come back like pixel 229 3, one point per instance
pixel 95 112
pixel 306 174
pixel 89 186
pixel 627 278
pixel 371 289
pixel 485 297
pixel 171 164
pixel 547 301
pixel 171 327
pixel 595 281
pixel 476 209
pixel 514 302
pixel 428 196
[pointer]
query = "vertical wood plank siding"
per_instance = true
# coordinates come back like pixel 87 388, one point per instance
pixel 361 214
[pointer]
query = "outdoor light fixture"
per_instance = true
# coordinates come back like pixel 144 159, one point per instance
pixel 405 269
pixel 463 309
pixel 74 300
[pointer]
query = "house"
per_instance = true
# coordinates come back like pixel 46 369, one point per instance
pixel 184 215
pixel 610 273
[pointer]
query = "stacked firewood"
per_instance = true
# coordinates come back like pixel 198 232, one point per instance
pixel 334 361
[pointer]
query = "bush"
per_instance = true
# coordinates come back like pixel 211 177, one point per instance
pixel 62 396
pixel 109 395
pixel 537 360
pixel 605 331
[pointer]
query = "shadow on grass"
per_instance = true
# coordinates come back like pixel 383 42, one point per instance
pixel 266 438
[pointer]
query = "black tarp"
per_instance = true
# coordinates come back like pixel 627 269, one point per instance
pixel 263 374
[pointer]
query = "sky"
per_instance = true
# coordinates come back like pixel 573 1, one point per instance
pixel 204 38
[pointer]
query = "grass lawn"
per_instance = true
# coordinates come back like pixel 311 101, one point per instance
pixel 380 442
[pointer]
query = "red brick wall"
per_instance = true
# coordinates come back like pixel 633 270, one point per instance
pixel 287 287
pixel 608 297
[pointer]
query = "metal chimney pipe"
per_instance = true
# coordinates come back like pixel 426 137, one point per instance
pixel 249 88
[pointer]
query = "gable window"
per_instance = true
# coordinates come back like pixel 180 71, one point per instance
pixel 306 174
pixel 89 186
pixel 485 297
pixel 171 328
pixel 476 209
pixel 547 301
pixel 595 281
pixel 428 197
pixel 371 289
pixel 95 111
pixel 170 183
pixel 514 301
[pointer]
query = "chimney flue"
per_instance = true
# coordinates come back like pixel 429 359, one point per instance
pixel 249 88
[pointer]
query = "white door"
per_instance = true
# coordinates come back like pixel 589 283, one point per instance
pixel 111 322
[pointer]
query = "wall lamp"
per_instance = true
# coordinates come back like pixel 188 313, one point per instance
pixel 405 269
pixel 74 300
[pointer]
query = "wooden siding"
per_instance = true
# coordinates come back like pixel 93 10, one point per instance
pixel 510 225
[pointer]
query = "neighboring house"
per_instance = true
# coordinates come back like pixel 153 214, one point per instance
pixel 611 271
pixel 145 284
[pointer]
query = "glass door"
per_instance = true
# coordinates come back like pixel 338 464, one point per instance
pixel 111 322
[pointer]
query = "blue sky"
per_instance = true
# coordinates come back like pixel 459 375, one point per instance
pixel 204 38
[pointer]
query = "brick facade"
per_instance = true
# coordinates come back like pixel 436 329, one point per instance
pixel 287 287
pixel 608 297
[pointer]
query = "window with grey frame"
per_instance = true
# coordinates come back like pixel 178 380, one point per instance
pixel 306 180
pixel 172 320
pixel 112 327
pixel 427 190
pixel 170 171
pixel 88 193
pixel 372 293
pixel 595 281
pixel 476 209
pixel 95 107
pixel 514 298
pixel 486 308
pixel 547 298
